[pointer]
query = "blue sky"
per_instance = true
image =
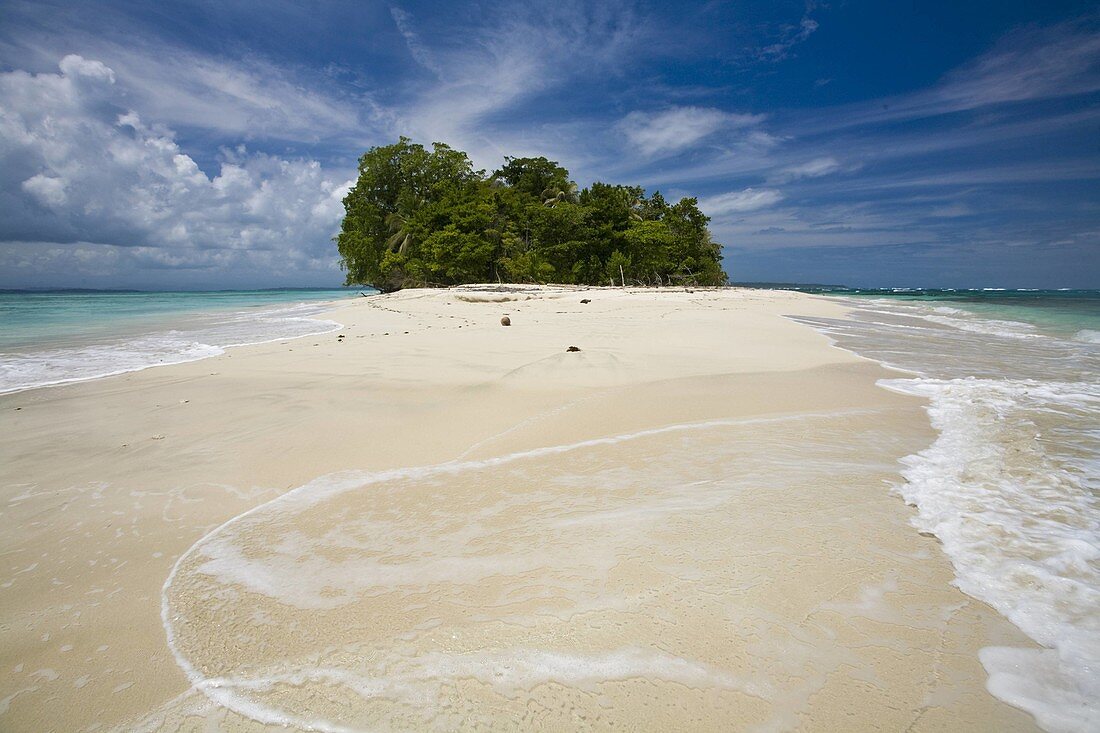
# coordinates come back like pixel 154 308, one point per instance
pixel 208 144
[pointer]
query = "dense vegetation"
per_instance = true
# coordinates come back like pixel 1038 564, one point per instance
pixel 418 217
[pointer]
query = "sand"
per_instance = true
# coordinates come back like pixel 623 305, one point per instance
pixel 736 559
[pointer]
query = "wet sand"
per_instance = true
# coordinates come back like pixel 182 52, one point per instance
pixel 713 542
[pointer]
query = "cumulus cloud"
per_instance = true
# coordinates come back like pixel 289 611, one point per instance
pixel 246 97
pixel 738 202
pixel 49 192
pixel 679 128
pixel 74 66
pixel 77 166
pixel 90 156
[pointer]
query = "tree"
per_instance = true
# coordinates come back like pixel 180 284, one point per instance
pixel 533 176
pixel 695 256
pixel 420 217
pixel 401 237
pixel 649 243
pixel 395 182
pixel 556 194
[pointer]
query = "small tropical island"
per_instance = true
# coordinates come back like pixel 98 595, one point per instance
pixel 427 218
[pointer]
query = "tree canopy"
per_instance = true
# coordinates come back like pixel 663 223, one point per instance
pixel 419 217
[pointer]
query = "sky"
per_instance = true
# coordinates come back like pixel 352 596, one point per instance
pixel 208 145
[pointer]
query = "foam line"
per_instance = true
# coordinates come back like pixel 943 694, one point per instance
pixel 35 370
pixel 220 692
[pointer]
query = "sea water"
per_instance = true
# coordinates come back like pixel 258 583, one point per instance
pixel 626 578
pixel 57 337
pixel 1010 486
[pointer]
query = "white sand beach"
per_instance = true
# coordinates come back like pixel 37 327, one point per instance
pixel 430 521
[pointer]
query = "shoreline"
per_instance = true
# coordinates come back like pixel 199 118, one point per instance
pixel 241 429
pixel 143 341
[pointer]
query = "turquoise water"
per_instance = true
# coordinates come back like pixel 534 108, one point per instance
pixel 1060 313
pixel 66 336
pixel 36 319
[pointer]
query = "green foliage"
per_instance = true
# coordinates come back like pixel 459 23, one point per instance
pixel 533 176
pixel 419 217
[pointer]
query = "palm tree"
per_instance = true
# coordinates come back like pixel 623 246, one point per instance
pixel 555 194
pixel 400 236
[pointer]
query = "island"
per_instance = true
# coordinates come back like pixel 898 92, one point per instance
pixel 420 218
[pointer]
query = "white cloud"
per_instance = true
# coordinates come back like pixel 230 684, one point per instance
pixel 489 73
pixel 240 98
pixel 47 191
pixel 249 98
pixel 679 128
pixel 485 100
pixel 76 166
pixel 74 66
pixel 791 37
pixel 1030 63
pixel 420 53
pixel 737 202
pixel 812 169
pixel 90 163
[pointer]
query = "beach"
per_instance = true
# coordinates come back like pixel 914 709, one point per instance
pixel 426 520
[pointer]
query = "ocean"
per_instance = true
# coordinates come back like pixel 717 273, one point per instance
pixel 1010 486
pixel 56 337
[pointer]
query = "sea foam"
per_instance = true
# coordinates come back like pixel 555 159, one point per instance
pixel 199 337
pixel 1010 485
pixel 1022 531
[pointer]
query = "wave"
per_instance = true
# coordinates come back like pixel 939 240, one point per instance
pixel 207 337
pixel 952 317
pixel 1022 528
pixel 987 326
